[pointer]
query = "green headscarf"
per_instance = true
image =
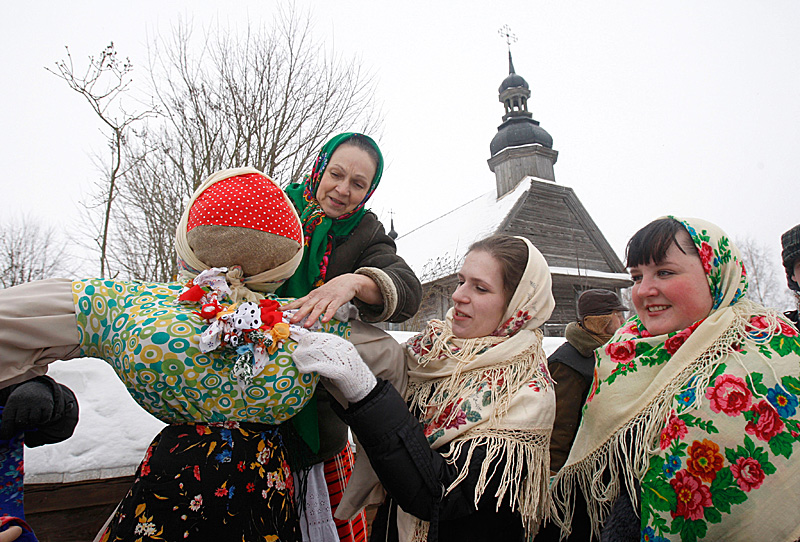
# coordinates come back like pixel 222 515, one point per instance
pixel 318 229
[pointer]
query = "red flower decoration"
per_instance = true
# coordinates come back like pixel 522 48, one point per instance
pixel 676 341
pixel 704 460
pixel 595 385
pixel 759 322
pixel 287 473
pixel 729 395
pixel 269 304
pixel 675 429
pixel 241 466
pixel 221 492
pixel 193 294
pixel 706 255
pixel 766 423
pixel 196 472
pixel 748 473
pixel 209 310
pixel 787 330
pixel 270 315
pixel 621 352
pixel 251 487
pixel 693 496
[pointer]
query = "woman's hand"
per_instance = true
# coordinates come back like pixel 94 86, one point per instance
pixel 325 300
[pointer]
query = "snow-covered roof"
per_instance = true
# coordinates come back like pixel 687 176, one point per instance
pixel 443 242
pixel 436 248
pixel 113 431
pixel 573 272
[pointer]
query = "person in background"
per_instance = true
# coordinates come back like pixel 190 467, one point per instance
pixel 600 314
pixel 469 461
pixel 790 242
pixel 347 257
pixel 34 413
pixel 691 430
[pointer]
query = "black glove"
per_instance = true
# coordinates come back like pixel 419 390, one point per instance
pixel 30 405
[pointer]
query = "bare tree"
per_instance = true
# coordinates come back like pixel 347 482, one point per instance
pixel 29 252
pixel 103 85
pixel 267 97
pixel 765 276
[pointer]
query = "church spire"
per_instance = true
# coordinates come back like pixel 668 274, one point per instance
pixel 392 233
pixel 521 147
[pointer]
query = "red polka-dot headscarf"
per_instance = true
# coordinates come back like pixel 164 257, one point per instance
pixel 243 198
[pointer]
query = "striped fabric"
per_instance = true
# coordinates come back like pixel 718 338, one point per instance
pixel 337 473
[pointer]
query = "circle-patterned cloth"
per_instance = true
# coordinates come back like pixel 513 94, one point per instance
pixel 152 344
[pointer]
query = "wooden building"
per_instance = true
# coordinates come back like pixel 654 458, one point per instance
pixel 527 202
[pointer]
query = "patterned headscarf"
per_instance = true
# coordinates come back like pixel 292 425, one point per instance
pixel 318 229
pixel 492 391
pixel 704 420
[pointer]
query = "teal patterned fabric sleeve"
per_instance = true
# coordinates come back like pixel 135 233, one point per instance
pixel 152 343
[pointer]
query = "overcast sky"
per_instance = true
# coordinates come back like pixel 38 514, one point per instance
pixel 687 108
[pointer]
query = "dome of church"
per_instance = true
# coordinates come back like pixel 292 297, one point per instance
pixel 517 131
pixel 513 81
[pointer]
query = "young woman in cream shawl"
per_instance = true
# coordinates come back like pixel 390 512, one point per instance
pixel 691 430
pixel 472 461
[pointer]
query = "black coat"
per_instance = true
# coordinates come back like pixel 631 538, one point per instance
pixel 415 476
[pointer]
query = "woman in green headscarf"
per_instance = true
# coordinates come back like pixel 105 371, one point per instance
pixel 347 257
pixel 347 254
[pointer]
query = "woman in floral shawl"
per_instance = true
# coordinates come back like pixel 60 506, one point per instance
pixel 470 459
pixel 691 430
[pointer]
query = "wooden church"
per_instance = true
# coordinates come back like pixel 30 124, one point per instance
pixel 527 202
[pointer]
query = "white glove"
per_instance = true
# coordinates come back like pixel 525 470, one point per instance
pixel 336 359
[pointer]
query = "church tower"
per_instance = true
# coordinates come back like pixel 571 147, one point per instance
pixel 527 202
pixel 521 148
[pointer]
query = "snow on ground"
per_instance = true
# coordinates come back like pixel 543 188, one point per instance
pixel 113 432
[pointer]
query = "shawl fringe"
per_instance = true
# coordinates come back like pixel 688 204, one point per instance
pixel 523 480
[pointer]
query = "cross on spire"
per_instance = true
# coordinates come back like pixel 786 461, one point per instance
pixel 505 32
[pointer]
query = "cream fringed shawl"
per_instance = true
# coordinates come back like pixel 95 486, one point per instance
pixel 493 392
pixel 704 420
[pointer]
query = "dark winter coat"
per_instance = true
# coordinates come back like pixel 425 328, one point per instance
pixel 415 476
pixel 572 368
pixel 63 420
pixel 368 246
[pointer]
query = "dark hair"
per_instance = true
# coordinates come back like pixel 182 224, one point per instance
pixel 360 141
pixel 512 255
pixel 651 243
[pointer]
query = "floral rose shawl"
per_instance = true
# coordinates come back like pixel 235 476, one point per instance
pixel 705 420
pixel 491 391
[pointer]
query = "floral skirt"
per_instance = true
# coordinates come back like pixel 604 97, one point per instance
pixel 220 481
